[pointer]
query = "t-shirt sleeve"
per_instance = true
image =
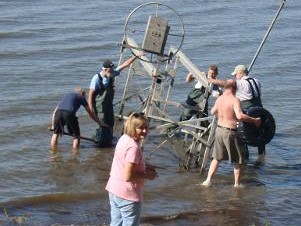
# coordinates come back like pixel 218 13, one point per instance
pixel 93 83
pixel 133 155
pixel 117 71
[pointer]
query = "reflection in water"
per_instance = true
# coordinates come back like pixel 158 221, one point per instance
pixel 80 171
pixel 218 205
pixel 64 173
pixel 56 155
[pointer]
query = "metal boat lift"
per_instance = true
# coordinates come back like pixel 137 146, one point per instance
pixel 149 85
pixel 149 88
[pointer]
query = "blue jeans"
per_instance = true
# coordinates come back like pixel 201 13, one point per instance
pixel 124 212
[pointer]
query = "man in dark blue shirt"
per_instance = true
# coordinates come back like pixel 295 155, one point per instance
pixel 65 114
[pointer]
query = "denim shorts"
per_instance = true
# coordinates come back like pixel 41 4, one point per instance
pixel 124 212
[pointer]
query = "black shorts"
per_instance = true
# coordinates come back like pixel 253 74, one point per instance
pixel 62 118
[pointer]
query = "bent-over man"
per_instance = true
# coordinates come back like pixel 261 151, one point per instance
pixel 65 115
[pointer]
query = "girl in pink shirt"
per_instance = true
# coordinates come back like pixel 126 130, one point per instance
pixel 128 173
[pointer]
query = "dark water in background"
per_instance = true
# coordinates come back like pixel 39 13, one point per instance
pixel 49 47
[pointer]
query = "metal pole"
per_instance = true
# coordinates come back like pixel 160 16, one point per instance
pixel 266 35
pixel 191 67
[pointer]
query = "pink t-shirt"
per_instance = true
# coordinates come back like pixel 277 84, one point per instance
pixel 127 150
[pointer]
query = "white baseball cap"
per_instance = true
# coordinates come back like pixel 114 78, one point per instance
pixel 240 67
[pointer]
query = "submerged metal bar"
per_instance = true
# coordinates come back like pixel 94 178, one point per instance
pixel 125 90
pixel 80 137
pixel 210 143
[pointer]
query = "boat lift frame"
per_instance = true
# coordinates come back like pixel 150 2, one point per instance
pixel 157 96
pixel 198 139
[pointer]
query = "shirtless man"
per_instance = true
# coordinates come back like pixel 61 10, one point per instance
pixel 228 145
pixel 249 94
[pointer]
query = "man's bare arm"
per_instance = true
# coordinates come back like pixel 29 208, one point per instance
pixel 130 61
pixel 214 110
pixel 189 77
pixel 91 99
pixel 243 117
pixel 218 82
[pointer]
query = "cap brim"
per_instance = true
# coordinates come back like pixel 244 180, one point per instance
pixel 109 67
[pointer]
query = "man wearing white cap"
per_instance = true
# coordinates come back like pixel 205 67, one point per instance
pixel 248 89
pixel 249 94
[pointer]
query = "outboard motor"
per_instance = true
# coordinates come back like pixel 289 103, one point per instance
pixel 257 136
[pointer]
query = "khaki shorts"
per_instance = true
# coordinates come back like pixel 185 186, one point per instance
pixel 228 146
